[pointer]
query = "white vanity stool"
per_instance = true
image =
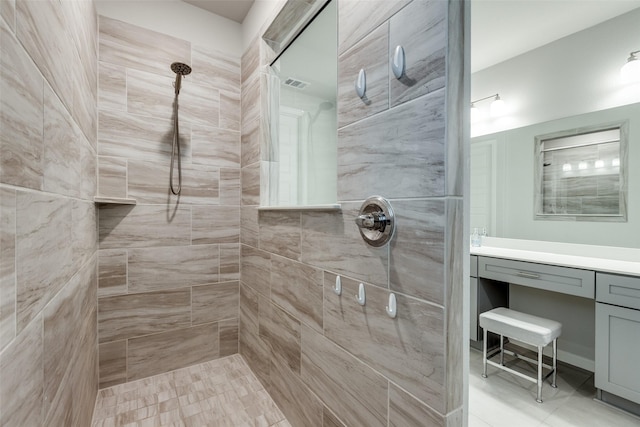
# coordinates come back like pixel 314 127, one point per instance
pixel 526 328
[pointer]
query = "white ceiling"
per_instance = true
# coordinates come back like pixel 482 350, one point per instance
pixel 235 10
pixel 503 29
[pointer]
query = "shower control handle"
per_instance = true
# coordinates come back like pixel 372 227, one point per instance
pixel 372 221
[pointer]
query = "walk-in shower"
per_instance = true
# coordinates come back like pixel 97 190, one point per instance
pixel 181 70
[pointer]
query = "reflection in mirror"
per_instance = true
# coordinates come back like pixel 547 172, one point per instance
pixel 568 84
pixel 303 90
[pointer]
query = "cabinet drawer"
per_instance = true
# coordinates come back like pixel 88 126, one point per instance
pixel 565 280
pixel 618 290
pixel 474 266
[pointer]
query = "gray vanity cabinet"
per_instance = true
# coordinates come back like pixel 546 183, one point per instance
pixel 618 335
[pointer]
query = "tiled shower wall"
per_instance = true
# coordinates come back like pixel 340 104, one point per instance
pixel 168 289
pixel 326 360
pixel 48 230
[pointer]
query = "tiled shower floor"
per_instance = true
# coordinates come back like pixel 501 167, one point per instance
pixel 219 393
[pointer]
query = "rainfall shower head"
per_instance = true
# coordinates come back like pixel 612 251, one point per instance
pixel 181 70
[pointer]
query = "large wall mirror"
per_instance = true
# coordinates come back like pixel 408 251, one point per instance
pixel 303 118
pixel 569 85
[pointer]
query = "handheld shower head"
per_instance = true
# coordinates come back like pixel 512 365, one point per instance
pixel 181 70
pixel 324 106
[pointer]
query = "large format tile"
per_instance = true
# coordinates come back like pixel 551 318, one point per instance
pixel 150 94
pixel 228 336
pixel 358 18
pixel 21 115
pixel 299 405
pixel 112 177
pixel 199 104
pixel 141 49
pixel 128 316
pixel 330 420
pixel 215 147
pixel 216 69
pixel 229 262
pixel 212 303
pixel 331 240
pixel 215 224
pixel 417 252
pixel 44 253
pixel 249 231
pixel 404 410
pixel 171 350
pixel 250 142
pixel 200 185
pixel 250 180
pixel 420 28
pixel 8 12
pixel 139 137
pixel 351 389
pixel 144 226
pixel 255 350
pixel 7 266
pixel 397 348
pixel 405 145
pixel 230 117
pixel 250 100
pixel 42 30
pixel 113 363
pixel 112 86
pixel 21 378
pixel 151 269
pixel 230 187
pixel 282 331
pixel 279 233
pixel 255 269
pixel 297 288
pixel 369 54
pixel 112 272
pixel 250 60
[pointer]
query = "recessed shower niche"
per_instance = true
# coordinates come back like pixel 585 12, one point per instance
pixel 302 163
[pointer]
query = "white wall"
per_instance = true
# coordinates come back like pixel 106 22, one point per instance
pixel 256 20
pixel 178 19
pixel 574 75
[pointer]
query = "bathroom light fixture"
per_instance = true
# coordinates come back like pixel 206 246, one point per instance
pixel 630 72
pixel 599 164
pixel 566 167
pixel 497 107
pixel 582 165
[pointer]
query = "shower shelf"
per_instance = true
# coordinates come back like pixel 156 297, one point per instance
pixel 102 200
pixel 328 207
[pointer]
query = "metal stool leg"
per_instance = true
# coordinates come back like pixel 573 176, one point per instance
pixel 539 399
pixel 555 353
pixel 502 350
pixel 484 354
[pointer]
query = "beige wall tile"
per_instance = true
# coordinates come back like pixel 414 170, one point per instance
pixel 358 18
pixel 44 254
pixel 404 410
pixel 230 187
pixel 167 351
pixel 215 147
pixel 397 348
pixel 249 231
pixel 351 389
pixel 128 316
pixel 420 28
pixel 21 140
pixel 371 55
pixel 332 241
pixel 330 420
pixel 280 233
pixel 249 310
pixel 255 269
pixel 297 288
pixel 89 167
pixel 151 94
pixel 299 405
pixel 112 176
pixel 212 303
pixel 215 224
pixel 85 97
pixel 228 336
pixel 84 230
pixel 251 59
pixel 42 30
pixel 216 69
pixel 201 185
pixel 139 137
pixel 200 104
pixel 170 267
pixel 112 86
pixel 7 266
pixel 250 180
pixel 21 388
pixel 250 142
pixel 112 272
pixel 143 226
pixel 229 262
pixel 135 47
pixel 230 110
pixel 113 363
pixel 416 264
pixel 250 100
pixel 412 162
pixel 8 12
pixel 282 331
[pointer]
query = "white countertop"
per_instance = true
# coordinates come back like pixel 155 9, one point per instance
pixel 607 259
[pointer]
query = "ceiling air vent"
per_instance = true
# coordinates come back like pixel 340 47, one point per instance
pixel 295 83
